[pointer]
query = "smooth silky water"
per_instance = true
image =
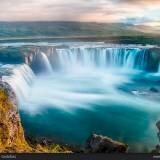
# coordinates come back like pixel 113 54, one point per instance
pixel 84 90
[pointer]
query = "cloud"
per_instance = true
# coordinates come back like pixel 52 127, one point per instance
pixel 131 11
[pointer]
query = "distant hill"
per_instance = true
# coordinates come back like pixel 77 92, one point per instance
pixel 65 29
pixel 147 29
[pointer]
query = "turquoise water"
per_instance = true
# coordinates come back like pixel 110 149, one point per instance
pixel 70 107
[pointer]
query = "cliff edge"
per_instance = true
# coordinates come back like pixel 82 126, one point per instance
pixel 11 132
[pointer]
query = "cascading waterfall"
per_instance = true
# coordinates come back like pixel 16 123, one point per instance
pixel 39 62
pixel 103 57
pixel 100 57
pixel 46 62
pixel 21 81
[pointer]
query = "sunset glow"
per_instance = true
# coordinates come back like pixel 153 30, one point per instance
pixel 126 11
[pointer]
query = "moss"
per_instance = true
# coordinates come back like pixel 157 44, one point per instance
pixel 5 106
pixel 4 135
pixel 11 131
pixel 55 148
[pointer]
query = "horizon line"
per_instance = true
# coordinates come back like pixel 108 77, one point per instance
pixel 65 21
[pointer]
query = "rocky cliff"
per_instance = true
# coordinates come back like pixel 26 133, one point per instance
pixel 11 132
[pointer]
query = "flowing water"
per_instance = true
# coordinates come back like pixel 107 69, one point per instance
pixel 85 90
pixel 159 68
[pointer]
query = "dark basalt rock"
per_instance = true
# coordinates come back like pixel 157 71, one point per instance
pixel 155 90
pixel 100 144
pixel 153 59
pixel 157 148
pixel 158 126
pixel 155 52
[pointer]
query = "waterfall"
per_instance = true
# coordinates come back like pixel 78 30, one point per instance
pixel 21 81
pixel 90 57
pixel 39 62
pixel 134 58
pixel 46 62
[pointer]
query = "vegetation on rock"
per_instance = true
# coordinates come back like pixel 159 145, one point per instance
pixel 11 132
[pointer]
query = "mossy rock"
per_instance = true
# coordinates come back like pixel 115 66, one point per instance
pixel 4 135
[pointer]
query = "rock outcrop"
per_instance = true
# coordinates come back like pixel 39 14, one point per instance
pixel 101 144
pixel 158 126
pixel 155 90
pixel 153 59
pixel 11 132
pixel 157 148
pixel 155 52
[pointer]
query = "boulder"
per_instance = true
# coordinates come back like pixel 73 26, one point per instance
pixel 158 126
pixel 153 59
pixel 155 90
pixel 157 148
pixel 101 144
pixel 155 52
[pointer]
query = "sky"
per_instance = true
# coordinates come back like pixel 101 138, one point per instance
pixel 146 12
